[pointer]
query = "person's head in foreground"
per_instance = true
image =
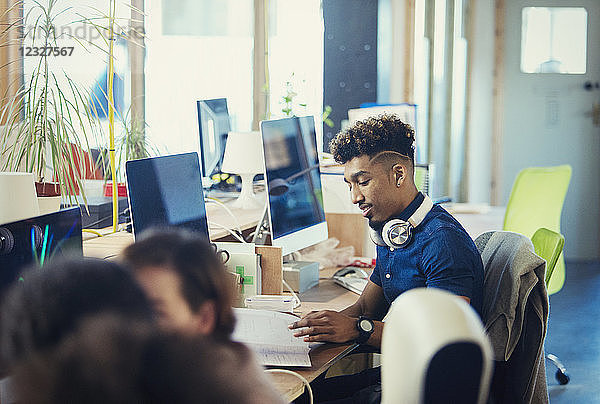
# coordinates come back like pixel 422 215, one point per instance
pixel 50 302
pixel 112 360
pixel 186 281
pixel 378 158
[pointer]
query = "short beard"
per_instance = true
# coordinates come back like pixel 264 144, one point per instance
pixel 376 225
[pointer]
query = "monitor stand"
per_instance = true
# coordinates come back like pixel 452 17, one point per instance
pixel 207 182
pixel 263 228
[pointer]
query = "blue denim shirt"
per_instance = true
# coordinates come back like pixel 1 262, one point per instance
pixel 440 255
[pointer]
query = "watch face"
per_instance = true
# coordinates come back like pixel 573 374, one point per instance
pixel 366 325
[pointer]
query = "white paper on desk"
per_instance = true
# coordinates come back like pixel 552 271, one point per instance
pixel 267 334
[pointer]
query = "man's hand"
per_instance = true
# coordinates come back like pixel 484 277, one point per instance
pixel 326 326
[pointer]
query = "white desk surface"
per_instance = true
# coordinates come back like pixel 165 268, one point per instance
pixel 479 221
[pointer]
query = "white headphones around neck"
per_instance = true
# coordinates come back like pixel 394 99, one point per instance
pixel 397 233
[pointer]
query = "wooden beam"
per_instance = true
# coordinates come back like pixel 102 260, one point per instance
pixel 498 102
pixel 470 37
pixel 11 29
pixel 260 92
pixel 409 52
pixel 137 56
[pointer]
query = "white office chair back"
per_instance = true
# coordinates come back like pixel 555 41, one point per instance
pixel 434 350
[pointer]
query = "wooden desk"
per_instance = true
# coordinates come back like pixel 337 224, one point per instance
pixel 113 243
pixel 322 357
pixel 326 295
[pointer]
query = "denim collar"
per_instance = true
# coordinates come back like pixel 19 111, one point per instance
pixel 412 207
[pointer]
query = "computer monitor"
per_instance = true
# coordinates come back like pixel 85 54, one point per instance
pixel 293 180
pixel 36 240
pixel 213 127
pixel 166 191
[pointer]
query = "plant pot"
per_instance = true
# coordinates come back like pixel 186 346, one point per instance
pixel 49 204
pixel 48 196
pixel 47 188
pixel 121 189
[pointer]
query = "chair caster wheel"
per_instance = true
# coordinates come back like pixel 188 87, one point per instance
pixel 562 377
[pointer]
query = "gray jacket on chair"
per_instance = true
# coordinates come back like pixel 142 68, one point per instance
pixel 515 314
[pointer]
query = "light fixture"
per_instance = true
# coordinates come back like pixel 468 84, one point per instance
pixel 244 157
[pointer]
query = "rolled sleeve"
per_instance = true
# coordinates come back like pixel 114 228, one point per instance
pixel 375 275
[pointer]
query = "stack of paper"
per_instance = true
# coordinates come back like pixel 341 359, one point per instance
pixel 267 334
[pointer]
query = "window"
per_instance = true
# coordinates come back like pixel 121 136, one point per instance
pixel 82 52
pixel 554 40
pixel 196 50
pixel 296 58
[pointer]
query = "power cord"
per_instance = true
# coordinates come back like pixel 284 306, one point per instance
pixel 226 208
pixel 233 233
pixel 297 301
pixel 302 378
pixel 96 232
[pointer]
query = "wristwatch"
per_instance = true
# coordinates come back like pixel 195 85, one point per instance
pixel 365 328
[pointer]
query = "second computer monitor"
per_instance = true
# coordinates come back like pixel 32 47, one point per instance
pixel 213 126
pixel 166 191
pixel 293 183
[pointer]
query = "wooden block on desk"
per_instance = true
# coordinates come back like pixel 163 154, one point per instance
pixel 349 228
pixel 271 262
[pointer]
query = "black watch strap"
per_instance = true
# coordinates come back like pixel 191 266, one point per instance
pixel 365 328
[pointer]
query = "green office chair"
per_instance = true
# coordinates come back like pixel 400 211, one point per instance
pixel 422 176
pixel 536 200
pixel 549 244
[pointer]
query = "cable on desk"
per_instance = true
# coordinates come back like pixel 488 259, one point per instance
pixel 233 233
pixel 221 204
pixel 291 372
pixel 297 301
pixel 96 232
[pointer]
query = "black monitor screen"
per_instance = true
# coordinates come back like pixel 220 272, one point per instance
pixel 166 191
pixel 36 240
pixel 293 176
pixel 213 125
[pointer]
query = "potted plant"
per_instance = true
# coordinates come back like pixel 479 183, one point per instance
pixel 290 104
pixel 132 144
pixel 49 121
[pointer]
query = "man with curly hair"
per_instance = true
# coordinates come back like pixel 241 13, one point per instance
pixel 434 251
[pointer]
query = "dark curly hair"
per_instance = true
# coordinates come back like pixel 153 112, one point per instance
pixel 50 303
pixel 372 136
pixel 203 275
pixel 114 360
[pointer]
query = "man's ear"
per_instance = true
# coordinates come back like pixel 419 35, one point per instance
pixel 399 172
